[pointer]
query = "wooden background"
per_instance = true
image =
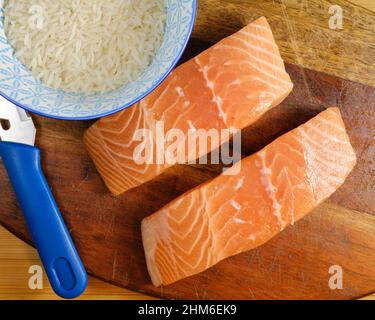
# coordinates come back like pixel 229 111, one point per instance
pixel 15 257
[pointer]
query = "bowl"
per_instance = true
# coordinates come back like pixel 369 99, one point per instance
pixel 18 85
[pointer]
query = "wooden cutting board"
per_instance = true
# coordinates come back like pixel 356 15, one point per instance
pixel 296 263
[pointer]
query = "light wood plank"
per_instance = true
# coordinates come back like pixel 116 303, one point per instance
pixel 16 257
pixel 368 4
pixel 302 31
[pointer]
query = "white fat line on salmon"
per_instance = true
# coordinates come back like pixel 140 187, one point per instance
pixel 334 125
pixel 318 179
pixel 123 128
pixel 285 174
pixel 270 188
pixel 239 221
pixel 149 245
pixel 323 174
pixel 260 62
pixel 266 100
pixel 215 98
pixel 163 232
pixel 258 48
pixel 265 81
pixel 219 102
pixel 327 169
pixel 210 220
pixel 161 96
pixel 235 205
pixel 261 38
pixel 330 135
pixel 263 28
pixel 180 91
pixel 308 140
pixel 191 126
pixel 234 83
pixel 110 157
pixel 239 183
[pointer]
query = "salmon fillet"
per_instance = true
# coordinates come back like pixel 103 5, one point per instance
pixel 234 213
pixel 229 86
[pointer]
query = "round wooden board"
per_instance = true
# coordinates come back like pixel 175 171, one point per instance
pixel 295 264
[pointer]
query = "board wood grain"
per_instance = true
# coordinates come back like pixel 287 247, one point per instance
pixel 367 4
pixel 16 257
pixel 295 264
pixel 302 31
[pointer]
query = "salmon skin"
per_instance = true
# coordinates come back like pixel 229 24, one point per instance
pixel 231 214
pixel 229 86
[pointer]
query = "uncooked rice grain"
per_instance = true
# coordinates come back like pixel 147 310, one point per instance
pixel 86 46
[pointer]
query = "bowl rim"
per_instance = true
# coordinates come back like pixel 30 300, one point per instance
pixel 127 105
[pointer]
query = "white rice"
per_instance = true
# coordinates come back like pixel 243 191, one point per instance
pixel 85 46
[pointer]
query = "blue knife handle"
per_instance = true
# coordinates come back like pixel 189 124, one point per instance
pixel 64 268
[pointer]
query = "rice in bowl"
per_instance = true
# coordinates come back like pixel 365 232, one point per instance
pixel 85 46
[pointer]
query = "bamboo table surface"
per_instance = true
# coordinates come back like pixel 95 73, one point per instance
pixel 16 257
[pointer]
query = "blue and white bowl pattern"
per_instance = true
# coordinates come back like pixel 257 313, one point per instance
pixel 18 85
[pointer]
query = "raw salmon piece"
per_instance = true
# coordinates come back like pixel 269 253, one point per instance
pixel 234 213
pixel 230 85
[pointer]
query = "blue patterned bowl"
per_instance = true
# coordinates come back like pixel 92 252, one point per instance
pixel 19 86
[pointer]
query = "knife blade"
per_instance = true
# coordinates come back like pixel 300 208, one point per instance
pixel 20 127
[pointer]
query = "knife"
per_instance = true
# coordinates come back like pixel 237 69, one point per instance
pixel 62 264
